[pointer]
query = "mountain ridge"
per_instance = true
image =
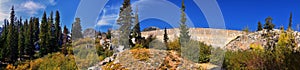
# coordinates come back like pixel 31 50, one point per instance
pixel 210 36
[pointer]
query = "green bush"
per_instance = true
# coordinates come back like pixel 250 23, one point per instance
pixel 281 58
pixel 205 53
pixel 103 52
pixel 237 60
pixel 174 45
pixel 192 47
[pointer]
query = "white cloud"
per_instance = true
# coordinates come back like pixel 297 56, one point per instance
pixel 3 13
pixel 107 19
pixel 30 7
pixel 52 2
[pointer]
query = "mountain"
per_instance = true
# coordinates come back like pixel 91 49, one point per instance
pixel 89 33
pixel 214 37
pixel 152 28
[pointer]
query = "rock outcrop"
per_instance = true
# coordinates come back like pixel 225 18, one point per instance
pixel 243 42
pixel 152 28
pixel 145 59
pixel 214 37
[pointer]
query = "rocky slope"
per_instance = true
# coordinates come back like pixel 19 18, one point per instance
pixel 243 42
pixel 214 37
pixel 145 59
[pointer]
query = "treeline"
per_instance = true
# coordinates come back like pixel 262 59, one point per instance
pixel 30 38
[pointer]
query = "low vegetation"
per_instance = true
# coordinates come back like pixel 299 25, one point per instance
pixel 284 55
pixel 55 61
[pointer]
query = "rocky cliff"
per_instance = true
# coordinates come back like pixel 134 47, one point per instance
pixel 214 37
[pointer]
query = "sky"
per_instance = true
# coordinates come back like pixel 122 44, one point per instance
pixel 102 14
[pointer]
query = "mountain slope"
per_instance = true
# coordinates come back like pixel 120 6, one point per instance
pixel 214 37
pixel 144 59
pixel 243 42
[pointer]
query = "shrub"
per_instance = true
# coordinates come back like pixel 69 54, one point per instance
pixel 174 45
pixel 281 58
pixel 256 47
pixel 237 60
pixel 141 54
pixel 190 51
pixel 157 44
pixel 55 61
pixel 205 52
pixel 137 46
pixel 10 67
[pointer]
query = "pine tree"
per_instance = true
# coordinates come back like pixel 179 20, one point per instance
pixel 166 38
pixel 58 32
pixel 290 22
pixel 108 36
pixel 246 29
pixel 282 29
pixel 36 29
pixel 21 39
pixel 11 40
pixel 125 21
pixel 50 34
pixel 29 45
pixel 65 40
pixel 44 39
pixel 3 40
pixel 184 30
pixel 65 37
pixel 136 29
pixel 76 30
pixel 136 32
pixel 259 26
pixel 269 25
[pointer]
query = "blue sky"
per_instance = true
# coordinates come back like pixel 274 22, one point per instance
pixel 160 13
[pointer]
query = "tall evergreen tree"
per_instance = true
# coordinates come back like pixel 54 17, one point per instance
pixel 290 21
pixel 28 42
pixel 125 21
pixel 184 30
pixel 259 26
pixel 136 29
pixel 50 34
pixel 58 32
pixel 166 38
pixel 36 29
pixel 76 30
pixel 65 39
pixel 3 40
pixel 4 33
pixel 11 47
pixel 108 36
pixel 21 39
pixel 29 45
pixel 269 25
pixel 44 39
